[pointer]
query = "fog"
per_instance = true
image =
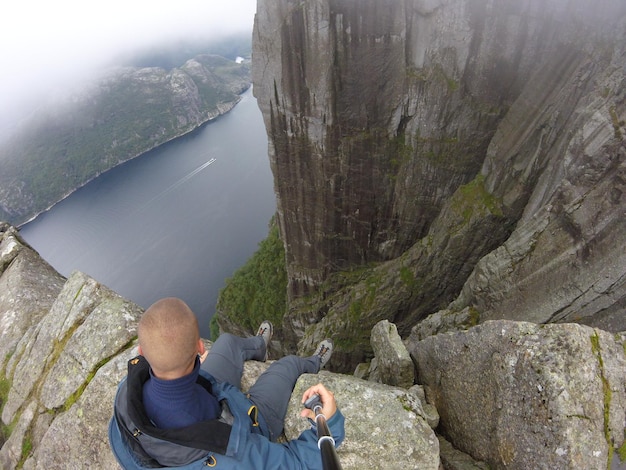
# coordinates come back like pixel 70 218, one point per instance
pixel 48 47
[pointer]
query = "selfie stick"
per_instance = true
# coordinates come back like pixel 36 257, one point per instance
pixel 325 440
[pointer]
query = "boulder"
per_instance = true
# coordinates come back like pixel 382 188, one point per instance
pixel 454 459
pixel 519 395
pixel 445 321
pixel 28 287
pixel 65 367
pixel 65 344
pixel 429 412
pixel 77 438
pixel 514 395
pixel 393 363
pixel 385 428
pixel 67 350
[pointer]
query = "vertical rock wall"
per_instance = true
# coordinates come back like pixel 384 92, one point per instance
pixel 422 137
pixel 377 111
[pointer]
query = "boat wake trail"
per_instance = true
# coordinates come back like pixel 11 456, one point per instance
pixel 177 184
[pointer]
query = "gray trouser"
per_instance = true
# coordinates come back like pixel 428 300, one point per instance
pixel 272 390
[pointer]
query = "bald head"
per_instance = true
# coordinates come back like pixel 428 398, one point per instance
pixel 169 338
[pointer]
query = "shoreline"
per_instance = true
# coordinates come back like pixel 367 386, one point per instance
pixel 227 107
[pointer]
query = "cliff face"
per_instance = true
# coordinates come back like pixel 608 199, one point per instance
pixel 542 396
pixel 441 148
pixel 65 345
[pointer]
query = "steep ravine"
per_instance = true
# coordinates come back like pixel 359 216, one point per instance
pixel 447 153
pixel 508 394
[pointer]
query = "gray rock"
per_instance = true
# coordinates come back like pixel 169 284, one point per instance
pixel 394 365
pixel 445 321
pixel 107 330
pixel 372 372
pixel 497 387
pixel 489 131
pixel 86 325
pixel 77 438
pixel 28 288
pixel 384 426
pixel 454 459
pixel 66 345
pixel 427 411
pixel 11 451
pixel 10 245
pixel 521 395
pixel 362 371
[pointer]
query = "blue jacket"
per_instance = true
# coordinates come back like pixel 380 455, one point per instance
pixel 236 441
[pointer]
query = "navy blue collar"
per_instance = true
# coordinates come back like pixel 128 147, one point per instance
pixel 179 388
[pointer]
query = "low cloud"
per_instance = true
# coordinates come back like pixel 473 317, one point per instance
pixel 44 44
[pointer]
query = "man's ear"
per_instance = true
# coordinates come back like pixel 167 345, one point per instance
pixel 201 348
pixel 139 350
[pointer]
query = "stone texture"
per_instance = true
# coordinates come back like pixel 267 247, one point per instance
pixel 69 366
pixel 521 395
pixel 384 425
pixel 528 395
pixel 423 137
pixel 28 287
pixel 68 360
pixel 453 459
pixel 91 344
pixel 77 438
pixel 86 325
pixel 445 321
pixel 65 344
pixel 393 363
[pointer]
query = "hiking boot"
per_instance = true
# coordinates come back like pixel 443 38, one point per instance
pixel 324 351
pixel 266 330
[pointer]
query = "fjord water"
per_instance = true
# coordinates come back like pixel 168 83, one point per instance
pixel 176 221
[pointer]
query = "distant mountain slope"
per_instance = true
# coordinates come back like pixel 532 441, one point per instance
pixel 126 113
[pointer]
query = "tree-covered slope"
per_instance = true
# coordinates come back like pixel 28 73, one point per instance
pixel 125 113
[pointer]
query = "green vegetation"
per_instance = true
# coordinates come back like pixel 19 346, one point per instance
pixel 5 387
pixel 258 290
pixel 400 153
pixel 407 276
pixel 434 73
pixel 474 316
pixel 597 351
pixel 474 197
pixel 617 124
pixel 622 450
pixel 27 448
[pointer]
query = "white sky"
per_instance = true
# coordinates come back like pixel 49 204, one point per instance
pixel 45 42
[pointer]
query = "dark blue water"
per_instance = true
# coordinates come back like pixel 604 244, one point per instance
pixel 172 222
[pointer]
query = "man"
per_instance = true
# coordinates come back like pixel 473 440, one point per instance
pixel 175 410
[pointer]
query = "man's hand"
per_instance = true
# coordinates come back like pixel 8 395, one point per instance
pixel 329 405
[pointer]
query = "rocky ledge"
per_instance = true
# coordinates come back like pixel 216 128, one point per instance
pixel 504 394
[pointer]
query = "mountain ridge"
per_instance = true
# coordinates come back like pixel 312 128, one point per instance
pixel 125 113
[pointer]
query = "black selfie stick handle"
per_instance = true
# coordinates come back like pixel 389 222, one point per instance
pixel 325 440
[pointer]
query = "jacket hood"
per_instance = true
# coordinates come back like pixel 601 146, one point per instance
pixel 169 447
